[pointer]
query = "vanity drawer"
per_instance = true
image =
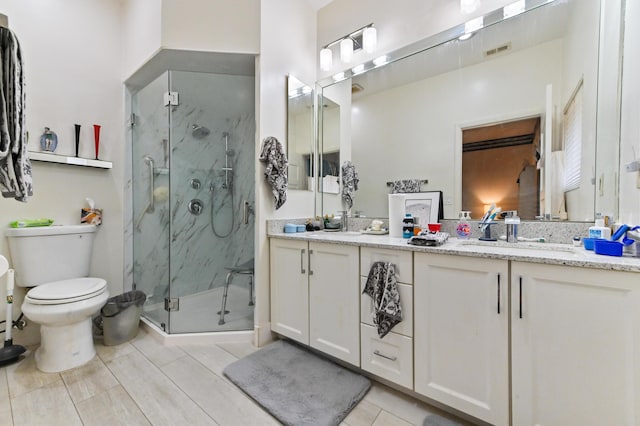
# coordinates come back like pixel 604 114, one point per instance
pixel 390 357
pixel 405 327
pixel 402 259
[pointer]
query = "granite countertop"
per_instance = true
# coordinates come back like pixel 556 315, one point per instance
pixel 547 253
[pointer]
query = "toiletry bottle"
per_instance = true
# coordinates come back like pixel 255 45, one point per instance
pixel 599 230
pixel 464 226
pixel 407 226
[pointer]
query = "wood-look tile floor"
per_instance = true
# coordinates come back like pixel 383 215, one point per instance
pixel 143 382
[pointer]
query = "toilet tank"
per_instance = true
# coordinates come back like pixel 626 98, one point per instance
pixel 50 253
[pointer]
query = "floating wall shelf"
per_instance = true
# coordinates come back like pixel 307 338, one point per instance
pixel 63 159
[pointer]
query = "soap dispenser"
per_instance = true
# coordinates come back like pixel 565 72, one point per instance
pixel 464 226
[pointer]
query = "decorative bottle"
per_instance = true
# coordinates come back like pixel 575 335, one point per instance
pixel 463 229
pixel 407 226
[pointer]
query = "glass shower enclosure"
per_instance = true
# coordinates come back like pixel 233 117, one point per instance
pixel 193 152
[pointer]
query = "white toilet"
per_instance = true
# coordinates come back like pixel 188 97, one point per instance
pixel 55 261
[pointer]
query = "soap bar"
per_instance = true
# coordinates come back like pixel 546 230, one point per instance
pixel 28 223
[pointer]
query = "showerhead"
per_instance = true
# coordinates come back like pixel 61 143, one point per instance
pixel 199 132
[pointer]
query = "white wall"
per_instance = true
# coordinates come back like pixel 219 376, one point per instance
pixel 73 75
pixel 287 46
pixel 219 26
pixel 142 30
pixel 630 129
pixel 419 137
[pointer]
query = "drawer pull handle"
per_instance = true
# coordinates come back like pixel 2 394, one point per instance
pixel 498 294
pixel 520 297
pixel 380 354
pixel 302 271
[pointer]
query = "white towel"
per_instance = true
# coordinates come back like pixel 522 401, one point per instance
pixel 15 167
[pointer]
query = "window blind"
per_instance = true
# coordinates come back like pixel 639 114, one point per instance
pixel 572 137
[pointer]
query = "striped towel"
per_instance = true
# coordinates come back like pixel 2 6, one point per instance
pixel 382 286
pixel 15 167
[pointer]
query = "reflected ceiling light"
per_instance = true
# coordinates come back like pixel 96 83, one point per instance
pixel 465 36
pixel 326 59
pixel 357 69
pixel 369 39
pixel 339 76
pixel 474 25
pixel 469 6
pixel 364 38
pixel 513 9
pixel 380 60
pixel 346 50
pixel 306 89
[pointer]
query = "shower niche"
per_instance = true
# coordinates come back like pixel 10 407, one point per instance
pixel 192 188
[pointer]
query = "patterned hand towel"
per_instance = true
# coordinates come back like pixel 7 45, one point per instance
pixel 273 154
pixel 15 167
pixel 405 186
pixel 349 182
pixel 383 288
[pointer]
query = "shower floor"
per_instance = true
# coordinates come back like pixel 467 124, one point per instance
pixel 199 312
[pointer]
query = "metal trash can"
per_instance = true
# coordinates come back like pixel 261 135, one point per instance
pixel 121 317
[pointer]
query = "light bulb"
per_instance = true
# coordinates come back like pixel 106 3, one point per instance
pixel 326 59
pixel 369 39
pixel 346 50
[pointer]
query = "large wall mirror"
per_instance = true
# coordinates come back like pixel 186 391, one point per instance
pixel 518 115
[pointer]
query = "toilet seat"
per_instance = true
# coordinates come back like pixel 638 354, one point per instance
pixel 66 291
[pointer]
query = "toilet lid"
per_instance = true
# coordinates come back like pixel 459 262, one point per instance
pixel 66 291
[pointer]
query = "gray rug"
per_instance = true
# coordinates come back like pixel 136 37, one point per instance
pixel 296 386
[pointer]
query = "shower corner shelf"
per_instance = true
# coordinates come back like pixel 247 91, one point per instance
pixel 64 159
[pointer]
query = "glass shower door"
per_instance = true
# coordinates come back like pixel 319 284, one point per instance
pixel 212 134
pixel 150 188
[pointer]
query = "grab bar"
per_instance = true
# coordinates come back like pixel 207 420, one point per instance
pixel 149 161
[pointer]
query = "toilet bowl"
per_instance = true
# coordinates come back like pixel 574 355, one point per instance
pixel 55 262
pixel 64 310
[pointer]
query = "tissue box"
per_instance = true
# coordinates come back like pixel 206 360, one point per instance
pixel 91 216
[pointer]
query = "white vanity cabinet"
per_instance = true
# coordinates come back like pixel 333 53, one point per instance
pixel 392 356
pixel 315 295
pixel 575 345
pixel 461 334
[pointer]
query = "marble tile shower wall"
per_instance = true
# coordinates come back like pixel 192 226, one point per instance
pixel 222 104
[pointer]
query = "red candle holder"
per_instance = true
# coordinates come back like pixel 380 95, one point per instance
pixel 96 137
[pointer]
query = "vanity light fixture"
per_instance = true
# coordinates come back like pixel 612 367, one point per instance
pixel 326 59
pixel 364 38
pixel 513 9
pixel 346 50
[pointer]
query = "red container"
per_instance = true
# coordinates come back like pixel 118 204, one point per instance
pixel 434 227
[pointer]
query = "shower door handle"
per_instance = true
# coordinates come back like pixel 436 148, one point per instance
pixel 149 161
pixel 247 210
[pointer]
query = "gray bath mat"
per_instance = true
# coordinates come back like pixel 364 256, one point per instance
pixel 296 386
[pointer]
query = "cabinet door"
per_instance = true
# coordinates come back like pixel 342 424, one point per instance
pixel 575 346
pixel 289 289
pixel 334 296
pixel 461 344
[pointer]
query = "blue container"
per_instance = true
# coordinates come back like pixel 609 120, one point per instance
pixel 608 248
pixel 290 228
pixel 301 228
pixel 588 242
